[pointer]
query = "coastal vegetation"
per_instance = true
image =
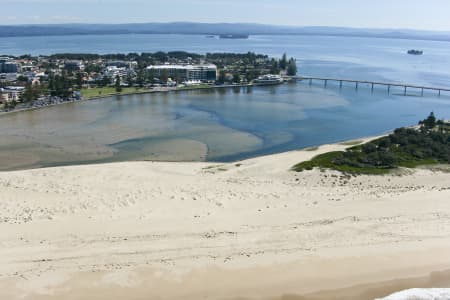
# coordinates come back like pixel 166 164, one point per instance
pixel 427 144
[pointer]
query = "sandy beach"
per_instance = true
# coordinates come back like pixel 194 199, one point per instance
pixel 247 230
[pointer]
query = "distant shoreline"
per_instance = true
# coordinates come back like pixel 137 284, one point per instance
pixel 412 38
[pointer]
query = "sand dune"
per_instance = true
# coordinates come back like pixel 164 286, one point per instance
pixel 248 230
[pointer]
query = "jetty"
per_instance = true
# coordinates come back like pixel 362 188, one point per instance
pixel 372 84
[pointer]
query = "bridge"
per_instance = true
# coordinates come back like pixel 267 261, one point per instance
pixel 372 84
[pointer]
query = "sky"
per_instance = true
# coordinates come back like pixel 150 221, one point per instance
pixel 405 14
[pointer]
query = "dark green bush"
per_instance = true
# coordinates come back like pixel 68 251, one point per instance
pixel 405 147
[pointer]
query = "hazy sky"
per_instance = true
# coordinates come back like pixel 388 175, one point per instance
pixel 415 14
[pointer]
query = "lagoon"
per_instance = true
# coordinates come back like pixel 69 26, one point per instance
pixel 227 124
pixel 205 125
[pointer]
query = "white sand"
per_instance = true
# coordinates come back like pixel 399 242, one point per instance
pixel 146 230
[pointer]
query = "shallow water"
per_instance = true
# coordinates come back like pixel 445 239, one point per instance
pixel 213 125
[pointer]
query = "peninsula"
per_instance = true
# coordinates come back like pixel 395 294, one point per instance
pixel 33 82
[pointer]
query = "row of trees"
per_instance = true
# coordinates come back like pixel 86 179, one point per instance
pixel 62 86
pixel 289 66
pixel 31 92
pixel 145 56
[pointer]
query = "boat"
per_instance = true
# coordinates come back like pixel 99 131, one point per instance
pixel 415 52
pixel 210 36
pixel 269 79
pixel 234 36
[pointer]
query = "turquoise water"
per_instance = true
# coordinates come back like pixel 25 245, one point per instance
pixel 228 125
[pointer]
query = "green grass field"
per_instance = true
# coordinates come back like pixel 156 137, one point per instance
pixel 109 91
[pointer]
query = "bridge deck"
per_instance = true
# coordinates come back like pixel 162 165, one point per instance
pixel 374 83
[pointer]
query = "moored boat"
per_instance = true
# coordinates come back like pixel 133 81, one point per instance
pixel 269 79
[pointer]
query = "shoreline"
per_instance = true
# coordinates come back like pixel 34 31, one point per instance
pixel 343 144
pixel 247 230
pixel 3 113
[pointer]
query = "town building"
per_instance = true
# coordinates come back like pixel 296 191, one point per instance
pixel 11 93
pixel 8 77
pixel 122 64
pixel 8 65
pixel 182 73
pixel 74 65
pixel 113 71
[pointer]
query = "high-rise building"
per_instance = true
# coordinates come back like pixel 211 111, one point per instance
pixel 8 66
pixel 204 73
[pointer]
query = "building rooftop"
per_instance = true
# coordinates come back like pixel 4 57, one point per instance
pixel 187 67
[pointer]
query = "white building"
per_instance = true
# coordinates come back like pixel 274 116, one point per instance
pixel 11 93
pixel 203 73
pixel 113 71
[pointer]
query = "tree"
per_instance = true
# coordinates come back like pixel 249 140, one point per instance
pixel 105 81
pixel 222 77
pixel 164 76
pixel 236 78
pixel 283 62
pixel 30 93
pixel 22 78
pixel 79 80
pixel 60 86
pixel 140 79
pixel 118 85
pixel 130 79
pixel 151 76
pixel 251 75
pixel 10 105
pixel 369 148
pixel 430 122
pixel 292 67
pixel 89 68
pixel 275 67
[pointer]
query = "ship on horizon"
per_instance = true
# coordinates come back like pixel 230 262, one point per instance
pixel 415 52
pixel 234 36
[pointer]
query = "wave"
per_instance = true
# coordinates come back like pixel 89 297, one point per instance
pixel 420 294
